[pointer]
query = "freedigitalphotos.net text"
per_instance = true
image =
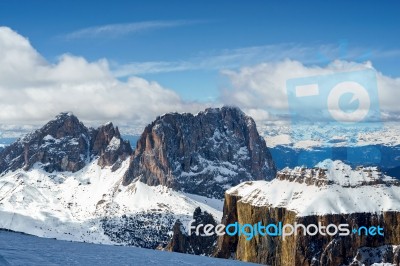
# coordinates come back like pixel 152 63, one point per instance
pixel 281 230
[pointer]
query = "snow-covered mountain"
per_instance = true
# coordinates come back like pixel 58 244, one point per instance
pixel 65 144
pixel 65 180
pixel 332 187
pixel 330 193
pixel 70 182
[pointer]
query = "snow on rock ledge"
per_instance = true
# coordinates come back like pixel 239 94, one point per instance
pixel 330 188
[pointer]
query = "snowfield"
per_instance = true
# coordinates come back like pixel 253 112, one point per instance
pixel 19 249
pixel 71 206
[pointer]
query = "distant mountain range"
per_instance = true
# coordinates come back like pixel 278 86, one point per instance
pixel 319 134
pixel 386 157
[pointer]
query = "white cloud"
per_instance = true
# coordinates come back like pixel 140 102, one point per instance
pixel 140 68
pixel 114 30
pixel 33 91
pixel 263 87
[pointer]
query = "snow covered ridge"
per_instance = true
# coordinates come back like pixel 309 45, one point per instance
pixel 92 205
pixel 331 188
pixel 330 172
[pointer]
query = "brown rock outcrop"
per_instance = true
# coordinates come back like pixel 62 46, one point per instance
pixel 302 250
pixel 106 142
pixel 243 205
pixel 202 154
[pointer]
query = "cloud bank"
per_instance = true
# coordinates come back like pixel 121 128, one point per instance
pixel 32 90
pixel 261 89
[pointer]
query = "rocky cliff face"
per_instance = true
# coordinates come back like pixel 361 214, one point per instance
pixel 65 144
pixel 328 195
pixel 106 142
pixel 203 154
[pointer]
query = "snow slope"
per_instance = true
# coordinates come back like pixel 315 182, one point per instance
pixel 20 249
pixel 91 205
pixel 337 189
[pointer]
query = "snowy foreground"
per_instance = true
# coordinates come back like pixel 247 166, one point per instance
pixel 20 249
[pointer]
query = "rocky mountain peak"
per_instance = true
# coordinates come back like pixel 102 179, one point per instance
pixel 64 125
pixel 102 136
pixel 65 144
pixel 202 154
pixel 107 143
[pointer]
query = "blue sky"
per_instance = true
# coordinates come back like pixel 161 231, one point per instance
pixel 173 32
pixel 129 61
